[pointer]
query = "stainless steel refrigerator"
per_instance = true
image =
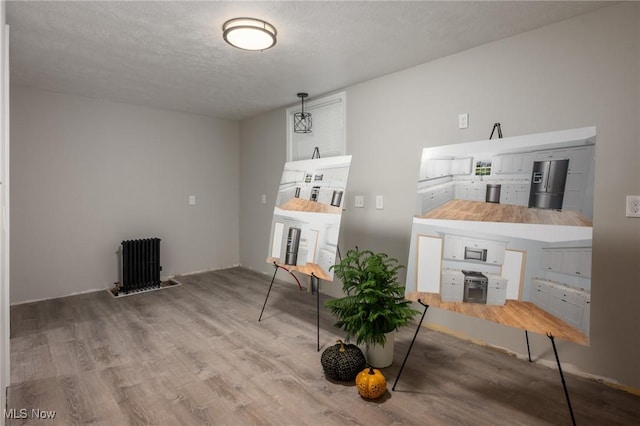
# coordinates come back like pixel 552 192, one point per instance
pixel 547 184
pixel 293 242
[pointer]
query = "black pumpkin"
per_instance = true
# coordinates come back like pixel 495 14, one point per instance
pixel 342 361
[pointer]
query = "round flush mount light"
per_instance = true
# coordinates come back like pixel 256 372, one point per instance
pixel 249 33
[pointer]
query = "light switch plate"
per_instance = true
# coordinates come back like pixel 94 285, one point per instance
pixel 463 121
pixel 263 199
pixel 379 202
pixel 192 200
pixel 359 201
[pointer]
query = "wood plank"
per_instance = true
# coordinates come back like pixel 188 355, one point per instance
pixel 514 313
pixel 196 354
pixel 491 212
pixel 300 205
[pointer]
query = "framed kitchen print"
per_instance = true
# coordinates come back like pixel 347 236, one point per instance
pixel 502 230
pixel 306 218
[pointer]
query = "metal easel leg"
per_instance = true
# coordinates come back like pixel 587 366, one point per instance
pixel 526 336
pixel 270 285
pixel 411 345
pixel 564 385
pixel 317 280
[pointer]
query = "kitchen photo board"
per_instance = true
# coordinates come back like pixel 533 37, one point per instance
pixel 307 214
pixel 502 230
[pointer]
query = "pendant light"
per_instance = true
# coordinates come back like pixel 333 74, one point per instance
pixel 302 120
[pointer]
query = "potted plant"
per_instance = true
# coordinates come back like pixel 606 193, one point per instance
pixel 373 306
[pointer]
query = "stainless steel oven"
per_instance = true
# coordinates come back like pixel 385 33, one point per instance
pixel 475 287
pixel 472 253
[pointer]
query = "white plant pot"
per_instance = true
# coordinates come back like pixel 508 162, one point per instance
pixel 381 356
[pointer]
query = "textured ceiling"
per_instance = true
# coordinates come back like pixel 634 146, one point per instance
pixel 171 54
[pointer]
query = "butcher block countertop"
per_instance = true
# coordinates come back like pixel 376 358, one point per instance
pixel 300 205
pixel 492 212
pixel 523 315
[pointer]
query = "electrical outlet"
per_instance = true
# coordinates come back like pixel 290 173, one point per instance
pixel 359 201
pixel 192 200
pixel 463 121
pixel 633 205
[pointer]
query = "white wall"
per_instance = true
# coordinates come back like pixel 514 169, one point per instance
pixel 581 72
pixel 87 174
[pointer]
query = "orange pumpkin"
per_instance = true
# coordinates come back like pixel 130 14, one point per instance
pixel 371 383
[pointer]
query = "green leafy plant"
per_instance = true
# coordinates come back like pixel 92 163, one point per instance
pixel 374 302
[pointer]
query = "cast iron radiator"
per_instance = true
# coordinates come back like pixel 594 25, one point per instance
pixel 140 265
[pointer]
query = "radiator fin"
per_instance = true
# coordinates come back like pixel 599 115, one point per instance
pixel 140 265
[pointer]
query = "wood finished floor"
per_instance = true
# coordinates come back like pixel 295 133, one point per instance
pixel 491 212
pixel 196 355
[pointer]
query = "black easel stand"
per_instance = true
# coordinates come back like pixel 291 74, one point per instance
pixel 526 336
pixel 496 126
pixel 315 288
pixel 411 345
pixel 564 385
pixel 276 266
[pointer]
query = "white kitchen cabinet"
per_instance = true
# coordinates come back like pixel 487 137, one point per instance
pixel 575 181
pixel 507 194
pixel 580 159
pixel 443 168
pixel 540 293
pixel 472 191
pixel 577 262
pixel 569 304
pixel 516 194
pixel 521 163
pixel 496 290
pixel 501 164
pixel 436 196
pixel 556 154
pixel 477 192
pixel 572 261
pixel 586 315
pixel 552 259
pixel 461 166
pixel 522 195
pixel 325 195
pixel 495 249
pixel 452 289
pixel 305 193
pixel 573 200
pixel 453 247
pixel 495 252
pixel 436 167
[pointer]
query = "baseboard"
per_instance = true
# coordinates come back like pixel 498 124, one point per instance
pixel 93 290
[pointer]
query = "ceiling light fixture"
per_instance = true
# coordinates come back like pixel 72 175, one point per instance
pixel 249 33
pixel 302 120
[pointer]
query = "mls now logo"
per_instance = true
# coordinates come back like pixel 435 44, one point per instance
pixel 23 413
